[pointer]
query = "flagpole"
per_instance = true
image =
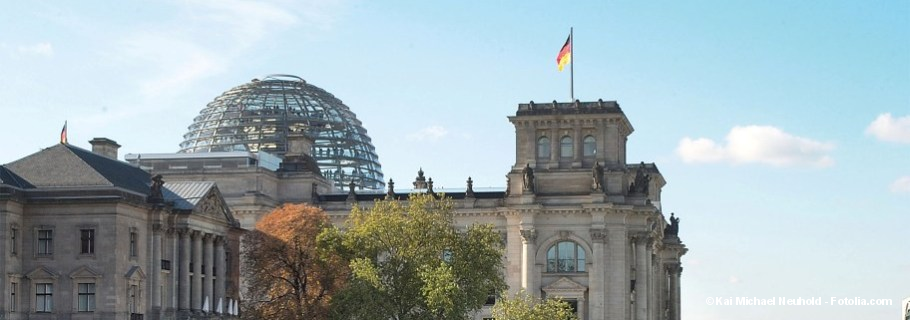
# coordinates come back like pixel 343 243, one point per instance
pixel 572 64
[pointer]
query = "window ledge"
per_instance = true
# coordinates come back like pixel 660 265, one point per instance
pixel 578 273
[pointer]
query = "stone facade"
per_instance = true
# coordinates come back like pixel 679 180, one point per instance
pixel 578 221
pixel 84 236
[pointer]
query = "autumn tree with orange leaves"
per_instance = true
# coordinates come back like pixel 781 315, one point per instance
pixel 286 275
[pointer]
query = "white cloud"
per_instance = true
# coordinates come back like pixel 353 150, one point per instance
pixel 208 37
pixel 733 279
pixel 41 49
pixel 901 185
pixel 244 22
pixel 758 144
pixel 431 133
pixel 887 128
pixel 179 62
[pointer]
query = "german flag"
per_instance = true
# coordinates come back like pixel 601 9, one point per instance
pixel 565 54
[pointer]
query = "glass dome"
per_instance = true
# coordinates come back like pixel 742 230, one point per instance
pixel 258 116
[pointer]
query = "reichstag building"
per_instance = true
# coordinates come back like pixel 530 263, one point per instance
pixel 579 221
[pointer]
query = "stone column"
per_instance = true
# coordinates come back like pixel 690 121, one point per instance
pixel 641 277
pixel 611 145
pixel 582 311
pixel 196 301
pixel 654 298
pixel 618 278
pixel 528 254
pixel 596 275
pixel 554 146
pixel 220 274
pixel 578 146
pixel 155 276
pixel 173 254
pixel 183 281
pixel 208 271
pixel 601 143
pixel 675 272
pixel 665 292
pixel 513 253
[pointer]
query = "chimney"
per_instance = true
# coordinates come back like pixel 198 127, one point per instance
pixel 105 147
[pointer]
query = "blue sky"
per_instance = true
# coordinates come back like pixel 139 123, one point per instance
pixel 782 127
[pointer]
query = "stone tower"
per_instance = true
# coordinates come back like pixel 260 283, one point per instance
pixel 573 194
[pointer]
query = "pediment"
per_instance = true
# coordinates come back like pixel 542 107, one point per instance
pixel 42 272
pixel 200 198
pixel 564 285
pixel 135 273
pixel 84 272
pixel 213 204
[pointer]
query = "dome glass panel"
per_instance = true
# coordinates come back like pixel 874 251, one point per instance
pixel 259 115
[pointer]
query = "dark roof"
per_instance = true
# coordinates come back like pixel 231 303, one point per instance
pixel 186 194
pixel 8 177
pixel 64 165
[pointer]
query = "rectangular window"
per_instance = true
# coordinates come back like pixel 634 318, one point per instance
pixel 13 242
pixel 44 297
pixel 88 241
pixel 491 298
pixel 13 287
pixel 133 244
pixel 86 297
pixel 45 241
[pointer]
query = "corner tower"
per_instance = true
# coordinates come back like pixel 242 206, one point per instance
pixel 570 135
pixel 577 148
pixel 589 225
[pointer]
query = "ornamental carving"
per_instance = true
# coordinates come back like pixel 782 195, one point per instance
pixel 212 206
pixel 528 178
pixel 673 228
pixel 528 235
pixel 598 176
pixel 598 235
pixel 641 181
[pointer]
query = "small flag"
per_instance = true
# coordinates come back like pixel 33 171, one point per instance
pixel 63 134
pixel 565 54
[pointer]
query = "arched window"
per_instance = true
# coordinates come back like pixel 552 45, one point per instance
pixel 565 147
pixel 566 256
pixel 589 147
pixel 543 148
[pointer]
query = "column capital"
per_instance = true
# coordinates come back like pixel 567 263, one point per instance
pixel 598 235
pixel 182 231
pixel 218 240
pixel 528 235
pixel 157 227
pixel 195 234
pixel 208 237
pixel 642 238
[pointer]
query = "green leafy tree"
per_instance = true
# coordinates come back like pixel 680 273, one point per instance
pixel 524 307
pixel 408 261
pixel 286 276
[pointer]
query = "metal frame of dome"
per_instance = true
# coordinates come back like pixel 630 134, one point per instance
pixel 259 115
